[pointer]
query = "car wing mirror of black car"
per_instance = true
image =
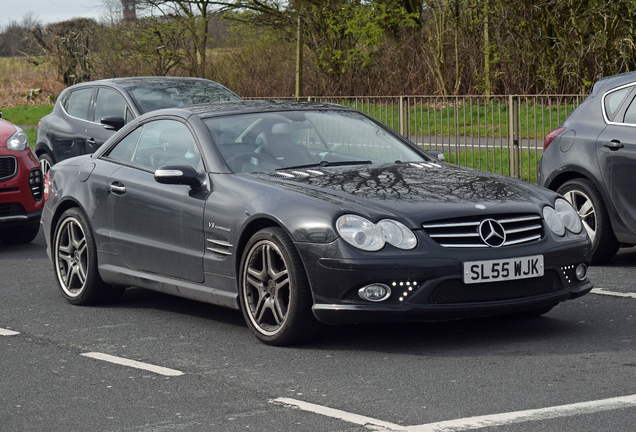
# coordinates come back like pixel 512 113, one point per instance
pixel 113 122
pixel 435 154
pixel 178 174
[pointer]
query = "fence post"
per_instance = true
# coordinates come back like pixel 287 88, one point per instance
pixel 401 115
pixel 407 117
pixel 513 130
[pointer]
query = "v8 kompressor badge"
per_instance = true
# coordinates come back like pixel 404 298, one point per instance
pixel 218 227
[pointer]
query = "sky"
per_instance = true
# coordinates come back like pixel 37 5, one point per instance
pixel 48 11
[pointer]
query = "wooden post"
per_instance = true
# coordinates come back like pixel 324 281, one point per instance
pixel 299 58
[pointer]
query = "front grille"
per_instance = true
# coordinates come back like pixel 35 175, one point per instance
pixel 464 232
pixel 8 167
pixel 12 209
pixel 456 291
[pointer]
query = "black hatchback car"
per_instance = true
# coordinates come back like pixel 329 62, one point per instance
pixel 87 114
pixel 590 159
pixel 297 213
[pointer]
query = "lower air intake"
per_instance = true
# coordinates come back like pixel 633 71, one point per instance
pixel 455 291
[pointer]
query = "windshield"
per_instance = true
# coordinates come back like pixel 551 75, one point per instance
pixel 291 139
pixel 172 94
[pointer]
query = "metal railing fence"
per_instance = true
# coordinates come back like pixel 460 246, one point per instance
pixel 502 134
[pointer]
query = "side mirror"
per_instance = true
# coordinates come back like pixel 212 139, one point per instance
pixel 113 122
pixel 0 114
pixel 178 174
pixel 435 154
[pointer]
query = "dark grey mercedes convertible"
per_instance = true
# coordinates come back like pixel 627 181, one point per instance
pixel 299 213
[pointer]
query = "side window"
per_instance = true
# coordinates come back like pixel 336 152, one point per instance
pixel 166 142
pixel 614 100
pixel 125 149
pixel 64 101
pixel 109 103
pixel 630 114
pixel 78 102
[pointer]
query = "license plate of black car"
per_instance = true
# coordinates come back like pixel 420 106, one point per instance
pixel 503 269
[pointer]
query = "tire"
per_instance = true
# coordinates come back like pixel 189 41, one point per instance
pixel 23 234
pixel 274 292
pixel 46 162
pixel 75 262
pixel 587 201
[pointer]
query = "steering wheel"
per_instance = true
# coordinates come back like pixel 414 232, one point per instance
pixel 235 162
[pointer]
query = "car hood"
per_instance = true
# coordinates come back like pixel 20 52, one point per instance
pixel 417 192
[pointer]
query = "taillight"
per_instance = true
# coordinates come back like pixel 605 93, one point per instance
pixel 46 187
pixel 39 124
pixel 551 136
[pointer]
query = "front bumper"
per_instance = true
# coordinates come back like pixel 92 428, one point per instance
pixel 431 288
pixel 19 204
pixel 17 220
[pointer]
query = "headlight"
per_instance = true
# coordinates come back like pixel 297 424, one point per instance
pixel 568 215
pixel 365 235
pixel 18 141
pixel 397 234
pixel 360 232
pixel 562 217
pixel 553 220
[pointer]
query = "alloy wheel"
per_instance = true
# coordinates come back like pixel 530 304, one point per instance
pixel 71 257
pixel 45 166
pixel 266 285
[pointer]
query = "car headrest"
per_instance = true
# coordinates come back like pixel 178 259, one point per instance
pixel 280 128
pixel 176 139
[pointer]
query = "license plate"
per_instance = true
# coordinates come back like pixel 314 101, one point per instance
pixel 503 269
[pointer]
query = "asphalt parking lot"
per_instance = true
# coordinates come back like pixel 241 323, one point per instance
pixel 152 362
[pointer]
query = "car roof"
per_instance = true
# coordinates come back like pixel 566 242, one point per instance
pixel 216 109
pixel 126 82
pixel 620 79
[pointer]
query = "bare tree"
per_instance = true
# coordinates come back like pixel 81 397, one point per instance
pixel 195 16
pixel 68 45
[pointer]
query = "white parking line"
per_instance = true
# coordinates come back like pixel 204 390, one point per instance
pixel 5 332
pixel 338 414
pixel 612 293
pixel 528 415
pixel 472 422
pixel 132 363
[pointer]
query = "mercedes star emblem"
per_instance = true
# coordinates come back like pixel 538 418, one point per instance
pixel 492 233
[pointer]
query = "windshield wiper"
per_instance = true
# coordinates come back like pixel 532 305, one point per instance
pixel 327 164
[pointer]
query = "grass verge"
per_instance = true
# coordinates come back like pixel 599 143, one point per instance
pixel 26 115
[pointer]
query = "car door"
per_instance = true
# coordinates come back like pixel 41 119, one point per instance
pixel 107 103
pixel 156 228
pixel 616 151
pixel 69 140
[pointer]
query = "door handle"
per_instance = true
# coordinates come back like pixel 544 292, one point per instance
pixel 116 189
pixel 91 141
pixel 613 144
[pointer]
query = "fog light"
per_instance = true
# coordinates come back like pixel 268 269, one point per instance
pixel 581 271
pixel 375 292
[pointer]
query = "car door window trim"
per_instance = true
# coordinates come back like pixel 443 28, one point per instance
pixel 92 103
pixel 629 97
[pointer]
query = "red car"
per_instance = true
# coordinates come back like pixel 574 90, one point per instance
pixel 21 186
